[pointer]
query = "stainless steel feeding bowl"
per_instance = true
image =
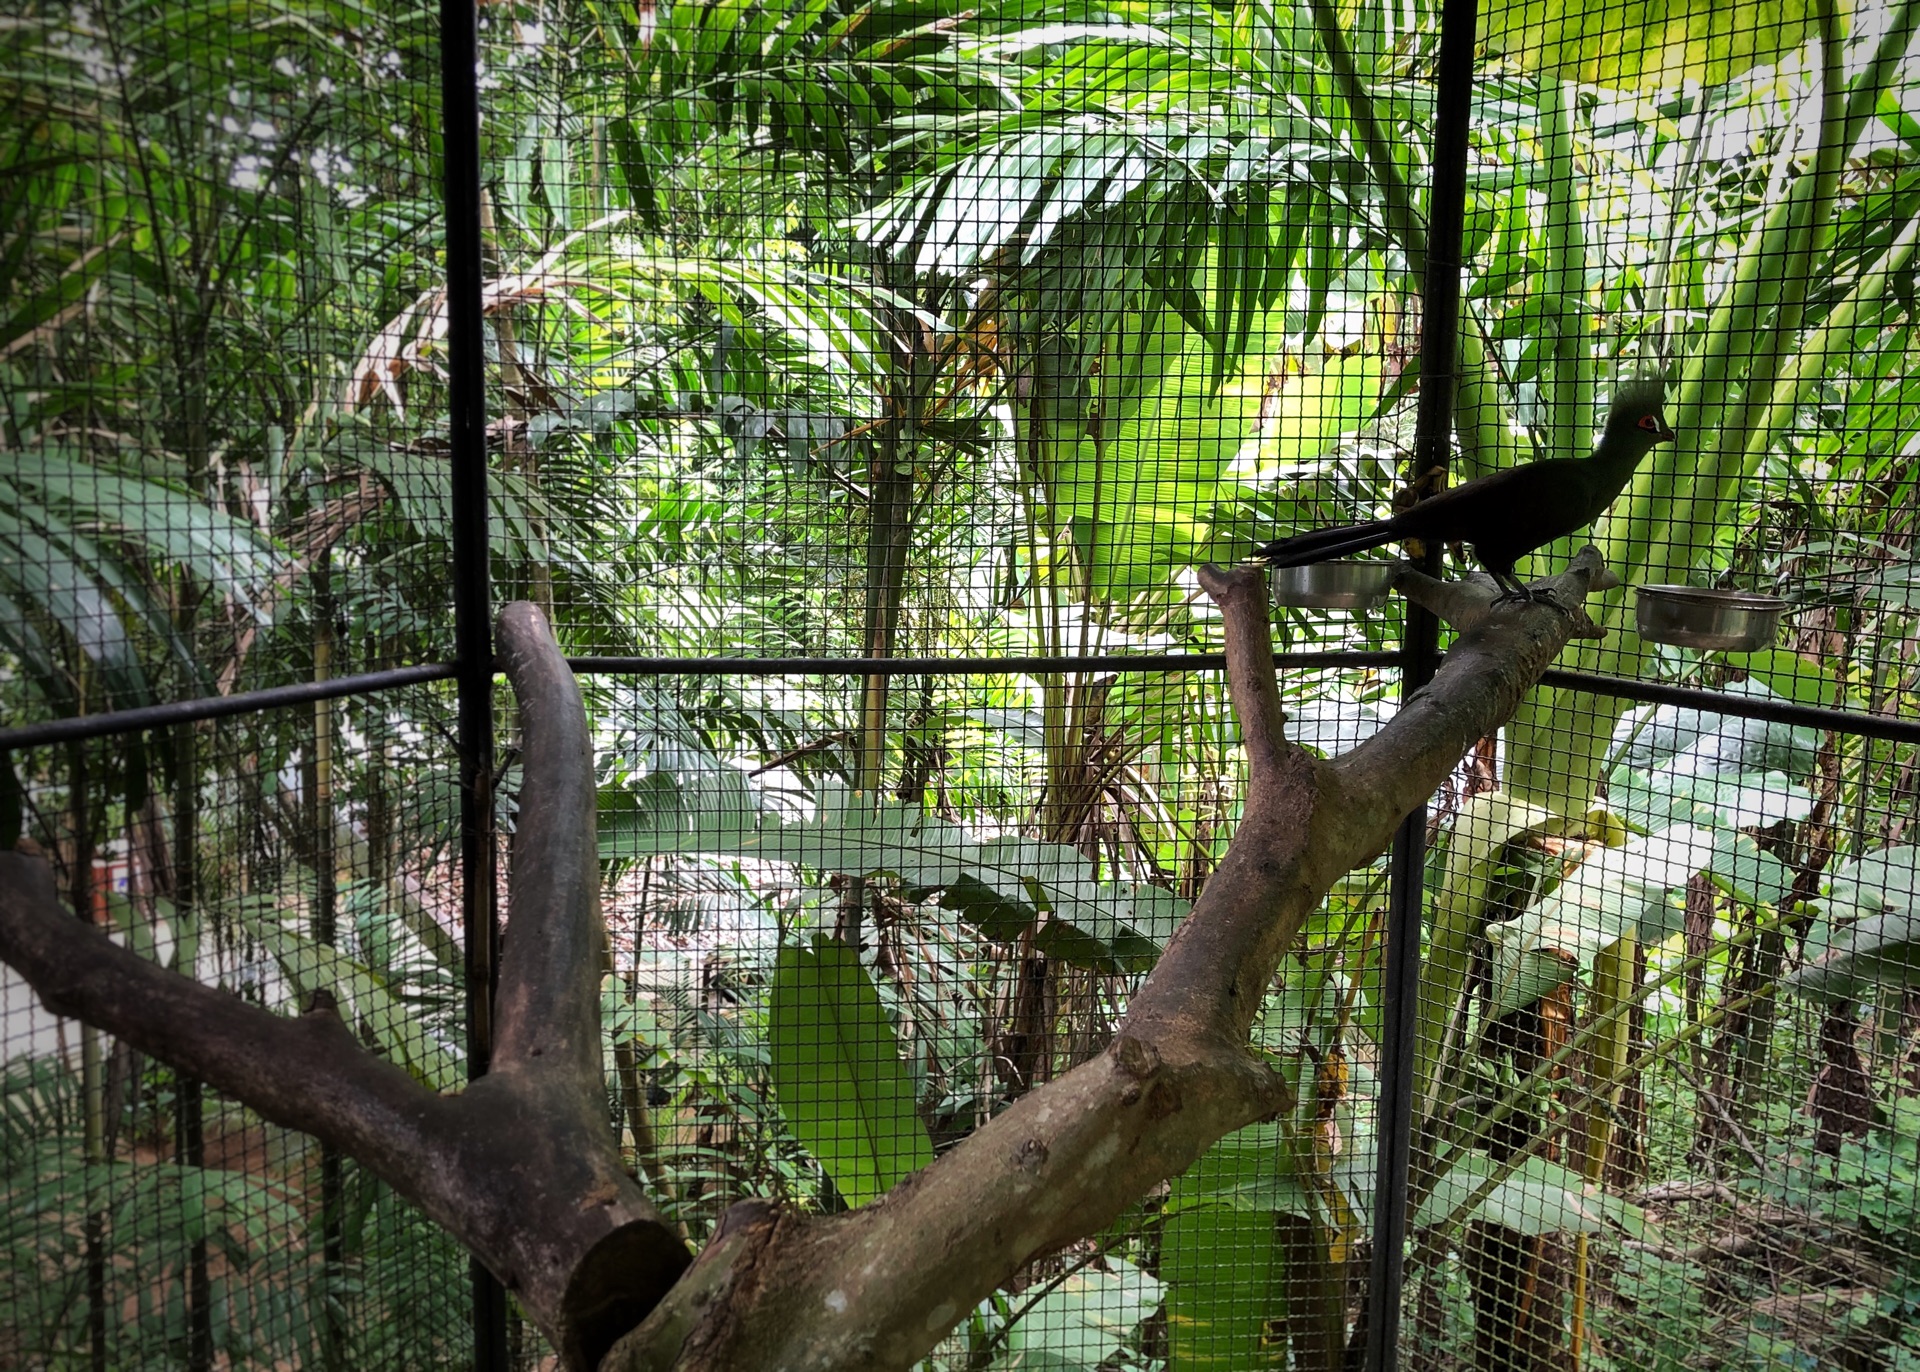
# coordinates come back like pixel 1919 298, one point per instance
pixel 1333 585
pixel 1725 621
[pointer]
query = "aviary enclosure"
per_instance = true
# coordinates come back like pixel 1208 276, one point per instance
pixel 852 395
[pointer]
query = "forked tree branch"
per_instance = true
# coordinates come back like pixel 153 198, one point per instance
pixel 879 1287
pixel 522 1168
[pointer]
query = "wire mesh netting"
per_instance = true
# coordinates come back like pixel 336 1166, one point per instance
pixel 865 386
pixel 150 1222
pixel 210 214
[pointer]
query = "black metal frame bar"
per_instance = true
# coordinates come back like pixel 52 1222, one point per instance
pixel 143 717
pixel 1892 728
pixel 472 591
pixel 955 666
pixel 1853 722
pixel 1406 891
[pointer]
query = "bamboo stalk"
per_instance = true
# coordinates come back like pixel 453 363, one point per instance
pixel 1570 370
pixel 1614 984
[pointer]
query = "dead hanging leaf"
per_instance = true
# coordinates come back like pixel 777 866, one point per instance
pixel 408 341
pixel 315 532
pixel 1332 1082
pixel 1841 1099
pixel 390 355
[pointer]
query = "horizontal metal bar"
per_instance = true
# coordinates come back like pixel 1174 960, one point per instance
pixel 215 707
pixel 1895 728
pixel 951 666
pixel 1854 722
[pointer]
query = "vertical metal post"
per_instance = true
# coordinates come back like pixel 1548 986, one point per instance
pixel 92 1088
pixel 189 1124
pixel 1433 429
pixel 320 821
pixel 472 609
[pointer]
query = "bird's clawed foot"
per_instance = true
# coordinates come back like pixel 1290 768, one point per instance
pixel 1515 593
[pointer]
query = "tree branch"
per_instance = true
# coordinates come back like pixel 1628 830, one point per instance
pixel 878 1288
pixel 522 1166
pixel 547 1009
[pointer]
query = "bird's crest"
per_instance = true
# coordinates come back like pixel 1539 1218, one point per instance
pixel 1641 395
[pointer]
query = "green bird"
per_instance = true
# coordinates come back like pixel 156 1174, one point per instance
pixel 1505 515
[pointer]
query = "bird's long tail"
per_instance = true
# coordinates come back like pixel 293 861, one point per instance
pixel 1320 545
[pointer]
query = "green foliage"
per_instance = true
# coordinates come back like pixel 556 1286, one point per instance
pixel 1637 46
pixel 1222 1254
pixel 64 580
pixel 1537 1197
pixel 1104 293
pixel 1226 1271
pixel 1619 892
pixel 1869 936
pixel 1665 1303
pixel 1251 1170
pixel 1863 1203
pixel 1003 887
pixel 271 1288
pixel 1081 1320
pixel 837 1072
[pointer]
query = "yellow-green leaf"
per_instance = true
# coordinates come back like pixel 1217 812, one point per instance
pixel 1644 45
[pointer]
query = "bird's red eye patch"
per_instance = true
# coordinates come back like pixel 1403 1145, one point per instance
pixel 1650 422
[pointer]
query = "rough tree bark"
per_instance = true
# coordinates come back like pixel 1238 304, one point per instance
pixel 522 1167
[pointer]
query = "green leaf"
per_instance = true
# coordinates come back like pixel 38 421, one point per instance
pixel 1850 962
pixel 1888 878
pixel 1539 1197
pixel 1250 1169
pixel 1643 45
pixel 1315 409
pixel 365 1000
pixel 630 155
pixel 1226 1273
pixel 1752 876
pixel 1869 935
pixel 1003 887
pixel 1744 800
pixel 837 1072
pixel 1083 1321
pixel 1143 502
pixel 1751 800
pixel 1617 891
pixel 1790 674
pixel 225 553
pixel 53 582
pixel 1693 742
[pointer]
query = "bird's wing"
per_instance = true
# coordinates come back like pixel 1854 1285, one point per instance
pixel 1524 493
